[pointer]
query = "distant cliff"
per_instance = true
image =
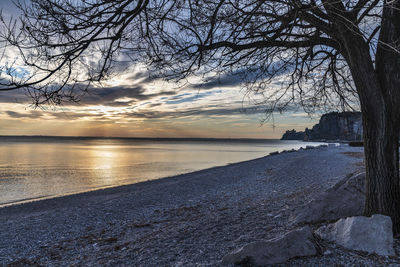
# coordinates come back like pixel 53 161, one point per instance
pixel 293 135
pixel 331 126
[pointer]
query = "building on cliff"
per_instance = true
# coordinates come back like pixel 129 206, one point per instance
pixel 331 126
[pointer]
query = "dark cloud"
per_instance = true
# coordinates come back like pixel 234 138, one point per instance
pixel 226 80
pixel 143 114
pixel 109 95
pixel 106 96
pixel 191 112
pixel 34 114
pixel 155 105
pixel 14 96
pixel 117 104
pixel 73 115
pixel 143 76
pixel 240 76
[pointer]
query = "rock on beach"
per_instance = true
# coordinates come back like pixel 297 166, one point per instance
pixel 346 198
pixel 369 234
pixel 296 243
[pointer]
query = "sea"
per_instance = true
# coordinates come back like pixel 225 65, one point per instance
pixel 39 167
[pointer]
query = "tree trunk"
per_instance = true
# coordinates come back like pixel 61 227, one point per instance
pixel 382 131
pixel 381 144
pixel 377 87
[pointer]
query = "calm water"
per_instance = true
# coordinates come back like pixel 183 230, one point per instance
pixel 38 167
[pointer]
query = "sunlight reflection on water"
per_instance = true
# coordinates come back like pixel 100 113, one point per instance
pixel 32 168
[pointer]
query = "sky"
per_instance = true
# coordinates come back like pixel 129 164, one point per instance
pixel 132 104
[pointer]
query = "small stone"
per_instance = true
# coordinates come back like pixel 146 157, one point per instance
pixel 369 234
pixel 296 243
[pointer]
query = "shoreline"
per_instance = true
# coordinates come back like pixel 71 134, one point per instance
pixel 47 197
pixel 185 220
pixel 110 189
pixel 117 187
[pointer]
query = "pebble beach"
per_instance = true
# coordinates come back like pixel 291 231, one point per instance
pixel 192 219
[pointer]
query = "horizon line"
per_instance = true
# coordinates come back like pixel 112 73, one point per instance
pixel 142 138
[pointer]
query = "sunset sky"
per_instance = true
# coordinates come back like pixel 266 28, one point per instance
pixel 132 104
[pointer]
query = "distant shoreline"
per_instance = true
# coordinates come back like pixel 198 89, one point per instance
pixel 200 139
pixel 162 139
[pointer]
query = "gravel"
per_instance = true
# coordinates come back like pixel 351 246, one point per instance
pixel 187 220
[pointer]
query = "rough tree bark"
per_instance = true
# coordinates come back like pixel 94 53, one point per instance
pixel 381 135
pixel 379 93
pixel 382 125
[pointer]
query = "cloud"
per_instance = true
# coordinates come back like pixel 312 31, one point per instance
pixel 34 114
pixel 240 76
pixel 143 76
pixel 59 115
pixel 207 112
pixel 73 115
pixel 225 80
pixel 190 97
pixel 126 115
pixel 110 95
pixel 14 96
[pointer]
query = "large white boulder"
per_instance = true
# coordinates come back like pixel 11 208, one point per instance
pixel 369 234
pixel 344 199
pixel 296 243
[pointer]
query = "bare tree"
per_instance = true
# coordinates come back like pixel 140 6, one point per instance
pixel 316 53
